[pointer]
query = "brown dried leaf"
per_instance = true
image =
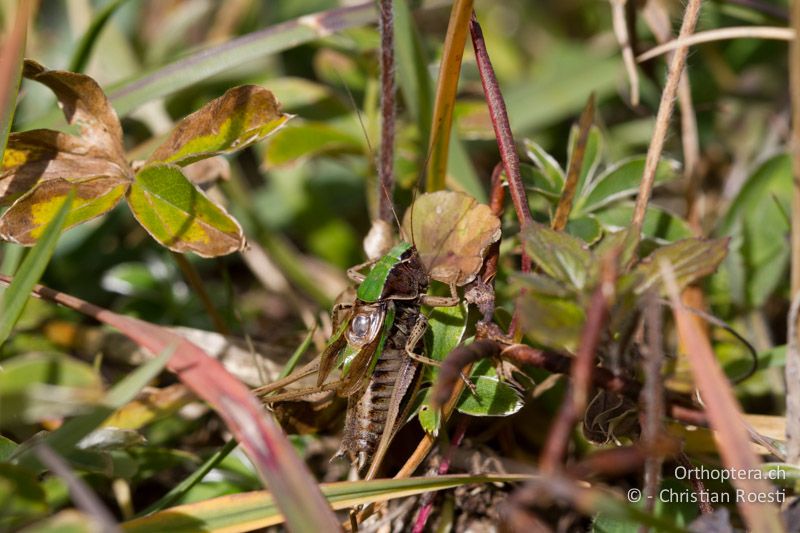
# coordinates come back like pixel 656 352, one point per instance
pixel 451 231
pixel 39 155
pixel 24 221
pixel 85 104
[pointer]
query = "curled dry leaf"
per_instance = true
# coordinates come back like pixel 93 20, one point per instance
pixel 84 104
pixel 35 156
pixel 25 221
pixel 237 119
pixel 451 231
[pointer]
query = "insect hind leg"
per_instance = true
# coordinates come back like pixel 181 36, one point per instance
pixel 420 326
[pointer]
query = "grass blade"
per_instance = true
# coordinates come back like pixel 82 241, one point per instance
pixel 724 414
pixel 255 510
pixel 206 63
pixel 16 295
pixel 84 49
pixel 457 30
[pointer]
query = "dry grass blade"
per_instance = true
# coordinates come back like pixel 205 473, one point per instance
pixel 665 108
pixel 574 169
pixel 724 416
pixel 793 384
pixel 794 91
pixel 621 31
pixel 737 32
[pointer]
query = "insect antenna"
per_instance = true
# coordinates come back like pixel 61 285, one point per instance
pixel 360 118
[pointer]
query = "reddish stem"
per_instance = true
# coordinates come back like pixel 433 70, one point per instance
pixel 575 400
pixel 502 130
pixel 386 164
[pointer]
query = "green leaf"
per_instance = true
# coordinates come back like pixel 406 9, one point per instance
pixel 550 168
pixel 691 259
pixel 492 397
pixel 537 181
pixel 620 181
pixel 7 447
pixel 179 216
pixel 84 47
pixel 551 321
pixel 21 496
pixel 586 228
pixel 31 269
pixel 413 77
pixel 659 224
pixel 559 255
pixel 242 116
pixel 25 221
pixel 760 230
pixel 308 139
pixel 446 326
pixel 564 78
pixel 429 418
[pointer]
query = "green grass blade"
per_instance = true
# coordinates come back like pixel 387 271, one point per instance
pixel 177 492
pixel 84 49
pixel 206 63
pixel 16 295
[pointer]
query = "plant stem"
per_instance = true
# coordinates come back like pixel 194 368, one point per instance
pixel 665 108
pixel 446 87
pixel 196 283
pixel 502 128
pixel 577 395
pixel 386 164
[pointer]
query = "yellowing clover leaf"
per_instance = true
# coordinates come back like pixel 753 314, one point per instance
pixel 41 167
pixel 179 216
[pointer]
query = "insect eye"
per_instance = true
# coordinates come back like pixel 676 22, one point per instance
pixel 364 327
pixel 360 325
